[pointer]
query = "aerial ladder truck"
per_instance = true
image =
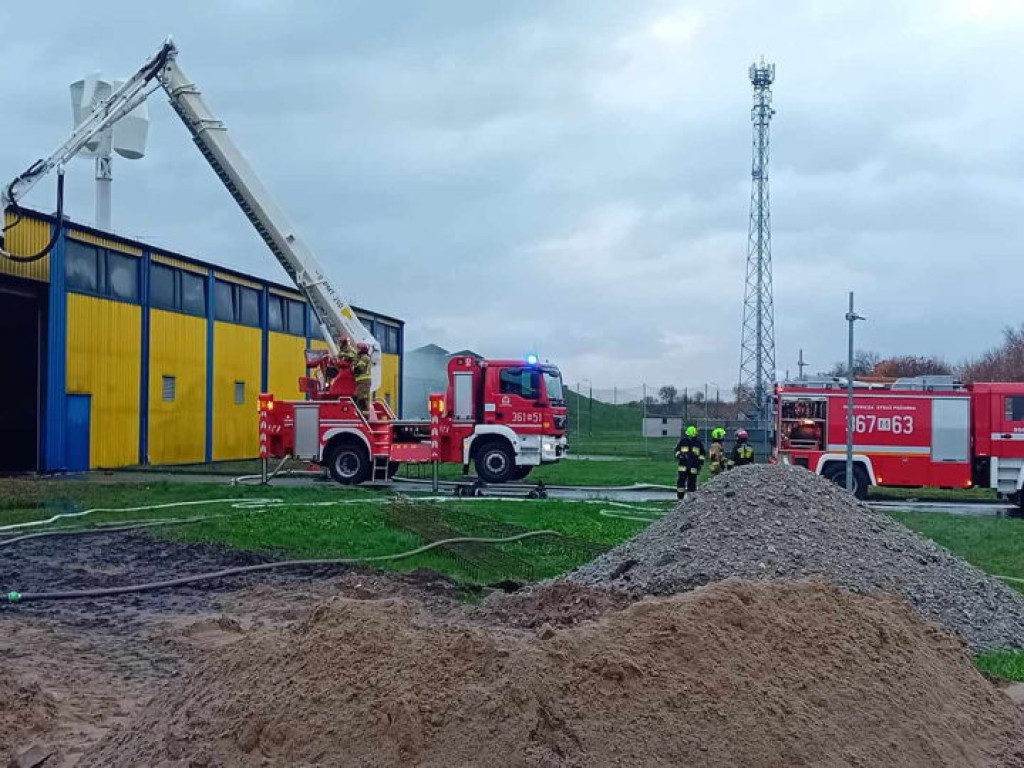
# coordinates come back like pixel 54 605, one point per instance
pixel 503 416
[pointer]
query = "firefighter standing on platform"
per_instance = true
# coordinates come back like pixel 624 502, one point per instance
pixel 347 351
pixel 690 453
pixel 716 451
pixel 361 370
pixel 742 453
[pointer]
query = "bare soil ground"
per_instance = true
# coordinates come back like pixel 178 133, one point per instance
pixel 75 669
pixel 359 667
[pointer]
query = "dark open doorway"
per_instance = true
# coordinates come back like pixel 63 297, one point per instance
pixel 21 307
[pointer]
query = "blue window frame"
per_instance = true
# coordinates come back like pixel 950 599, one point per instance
pixel 177 290
pixel 101 271
pixel 237 303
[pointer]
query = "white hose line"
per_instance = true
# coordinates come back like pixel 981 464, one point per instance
pixel 610 513
pixel 267 503
pixel 84 512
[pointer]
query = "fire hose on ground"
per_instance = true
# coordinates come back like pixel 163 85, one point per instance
pixel 242 506
pixel 23 597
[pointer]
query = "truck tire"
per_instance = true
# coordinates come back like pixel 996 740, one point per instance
pixel 348 462
pixel 495 461
pixel 837 474
pixel 521 472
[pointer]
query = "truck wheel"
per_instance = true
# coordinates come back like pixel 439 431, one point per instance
pixel 495 462
pixel 521 472
pixel 348 462
pixel 837 474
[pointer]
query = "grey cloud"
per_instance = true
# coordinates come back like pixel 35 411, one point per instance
pixel 457 164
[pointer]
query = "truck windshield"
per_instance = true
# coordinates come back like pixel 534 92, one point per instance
pixel 553 384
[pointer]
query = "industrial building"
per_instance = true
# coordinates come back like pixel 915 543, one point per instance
pixel 119 353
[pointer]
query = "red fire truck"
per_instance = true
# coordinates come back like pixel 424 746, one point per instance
pixel 922 431
pixel 506 416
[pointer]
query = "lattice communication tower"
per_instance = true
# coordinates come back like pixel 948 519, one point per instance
pixel 757 349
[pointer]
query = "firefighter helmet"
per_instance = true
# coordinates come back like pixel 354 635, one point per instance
pixel 717 433
pixel 741 434
pixel 691 431
pixel 363 347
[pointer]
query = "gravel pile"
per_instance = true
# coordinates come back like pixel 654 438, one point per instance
pixel 769 522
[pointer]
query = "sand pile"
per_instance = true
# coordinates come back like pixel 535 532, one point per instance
pixel 766 522
pixel 734 674
pixel 26 711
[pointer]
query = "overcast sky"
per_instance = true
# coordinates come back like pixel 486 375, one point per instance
pixel 574 177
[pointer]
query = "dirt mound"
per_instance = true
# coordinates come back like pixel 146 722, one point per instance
pixel 555 604
pixel 26 711
pixel 767 522
pixel 788 673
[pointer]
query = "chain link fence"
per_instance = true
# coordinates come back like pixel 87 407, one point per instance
pixel 638 421
pixel 646 421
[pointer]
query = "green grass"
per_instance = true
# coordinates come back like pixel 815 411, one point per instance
pixel 23 500
pixel 307 523
pixel 1002 665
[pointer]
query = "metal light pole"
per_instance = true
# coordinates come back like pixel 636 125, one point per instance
pixel 590 416
pixel 851 317
pixel 579 404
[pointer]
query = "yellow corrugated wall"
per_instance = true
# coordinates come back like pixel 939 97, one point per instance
pixel 177 347
pixel 27 237
pixel 389 380
pixel 287 362
pixel 236 357
pixel 104 359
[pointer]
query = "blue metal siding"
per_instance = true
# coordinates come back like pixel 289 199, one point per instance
pixel 55 419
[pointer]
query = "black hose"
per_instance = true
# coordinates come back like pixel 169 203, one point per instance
pixel 17 218
pixel 19 597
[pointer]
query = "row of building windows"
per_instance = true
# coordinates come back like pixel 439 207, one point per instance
pixel 286 315
pixel 91 269
pixel 176 289
pixel 104 272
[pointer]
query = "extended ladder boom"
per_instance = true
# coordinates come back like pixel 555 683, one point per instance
pixel 336 317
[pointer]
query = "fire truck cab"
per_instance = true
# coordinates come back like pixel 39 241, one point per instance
pixel 913 432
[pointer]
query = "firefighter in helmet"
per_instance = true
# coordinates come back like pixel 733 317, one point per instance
pixel 361 369
pixel 742 454
pixel 690 453
pixel 716 451
pixel 347 350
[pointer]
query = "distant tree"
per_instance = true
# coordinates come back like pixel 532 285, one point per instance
pixel 864 362
pixel 668 394
pixel 650 400
pixel 911 365
pixel 698 397
pixel 1003 363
